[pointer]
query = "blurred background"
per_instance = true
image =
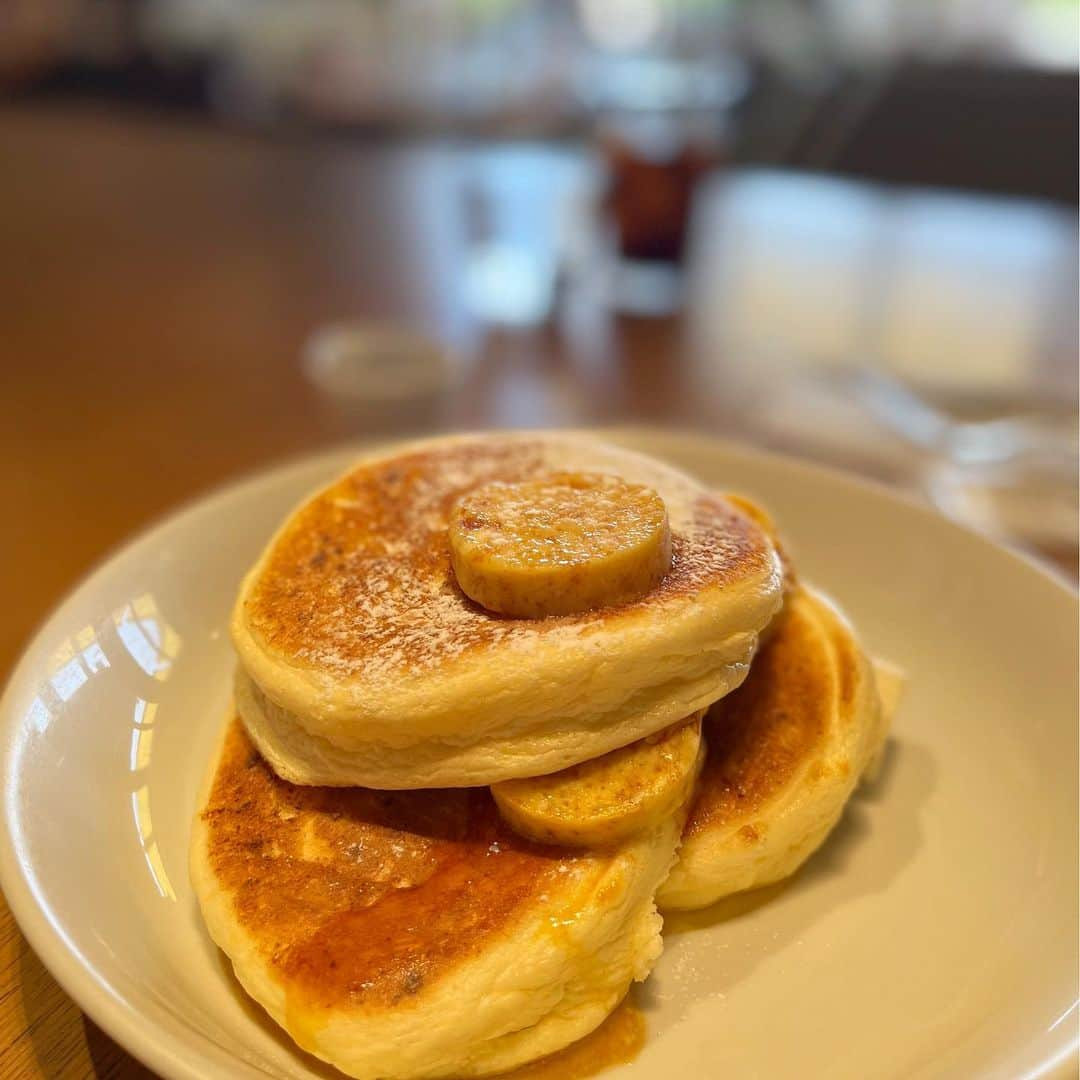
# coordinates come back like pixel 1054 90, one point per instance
pixel 234 230
pixel 237 230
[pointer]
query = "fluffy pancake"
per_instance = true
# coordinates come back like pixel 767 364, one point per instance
pixel 363 663
pixel 413 934
pixel 785 752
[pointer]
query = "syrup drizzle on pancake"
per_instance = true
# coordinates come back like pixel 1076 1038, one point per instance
pixel 363 896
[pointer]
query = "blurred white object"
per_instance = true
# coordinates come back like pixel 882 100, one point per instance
pixel 971 287
pixel 1030 503
pixel 621 24
pixel 381 379
pixel 957 293
pixel 1042 33
pixel 376 363
pixel 508 285
pixel 518 214
pixel 1014 478
pixel 778 265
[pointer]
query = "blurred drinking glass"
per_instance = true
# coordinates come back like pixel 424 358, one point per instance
pixel 660 130
pixel 660 85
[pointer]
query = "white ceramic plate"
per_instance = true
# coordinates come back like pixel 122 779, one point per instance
pixel 934 935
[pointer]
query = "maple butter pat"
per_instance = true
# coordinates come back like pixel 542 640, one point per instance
pixel 561 545
pixel 610 798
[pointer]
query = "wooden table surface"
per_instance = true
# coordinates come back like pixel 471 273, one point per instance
pixel 158 279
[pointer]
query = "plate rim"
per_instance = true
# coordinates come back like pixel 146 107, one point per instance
pixel 158 1048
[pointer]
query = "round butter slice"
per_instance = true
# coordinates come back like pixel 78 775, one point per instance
pixel 610 798
pixel 568 543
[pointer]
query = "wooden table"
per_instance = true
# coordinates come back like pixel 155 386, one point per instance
pixel 158 279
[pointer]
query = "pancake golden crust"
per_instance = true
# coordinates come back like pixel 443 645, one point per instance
pixel 361 895
pixel 785 752
pixel 760 737
pixel 360 578
pixel 363 663
pixel 413 934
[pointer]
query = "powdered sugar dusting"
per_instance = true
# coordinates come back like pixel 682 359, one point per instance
pixel 360 583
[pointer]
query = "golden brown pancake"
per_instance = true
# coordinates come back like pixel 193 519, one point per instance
pixel 362 662
pixel 785 751
pixel 408 934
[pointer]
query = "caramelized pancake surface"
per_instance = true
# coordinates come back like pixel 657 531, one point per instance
pixel 785 752
pixel 360 582
pixel 365 896
pixel 413 934
pixel 761 736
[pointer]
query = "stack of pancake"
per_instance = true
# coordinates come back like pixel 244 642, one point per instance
pixel 498 698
